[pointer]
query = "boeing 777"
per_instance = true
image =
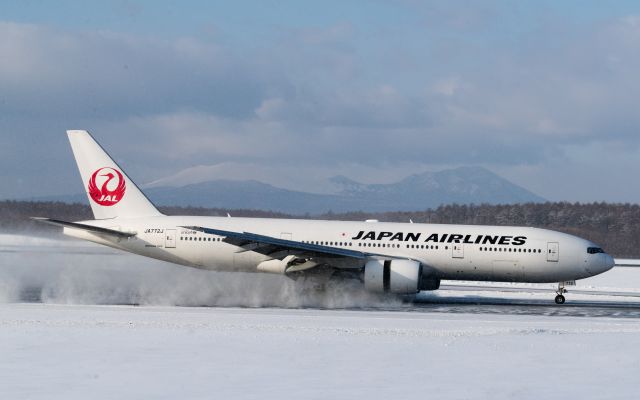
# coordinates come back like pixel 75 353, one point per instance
pixel 400 258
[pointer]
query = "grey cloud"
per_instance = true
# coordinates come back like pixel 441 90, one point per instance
pixel 308 97
pixel 47 73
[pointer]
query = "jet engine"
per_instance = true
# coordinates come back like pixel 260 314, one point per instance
pixel 397 276
pixel 287 265
pixel 393 276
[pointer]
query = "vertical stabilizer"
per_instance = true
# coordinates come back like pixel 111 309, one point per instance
pixel 111 192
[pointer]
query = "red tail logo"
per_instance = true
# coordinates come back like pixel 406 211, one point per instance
pixel 111 189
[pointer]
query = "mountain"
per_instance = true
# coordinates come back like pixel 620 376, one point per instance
pixel 464 185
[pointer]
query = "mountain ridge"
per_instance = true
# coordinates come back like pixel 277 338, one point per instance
pixel 463 185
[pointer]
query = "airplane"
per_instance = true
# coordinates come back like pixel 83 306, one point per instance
pixel 397 258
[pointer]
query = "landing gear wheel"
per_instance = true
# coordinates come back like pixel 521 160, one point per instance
pixel 561 290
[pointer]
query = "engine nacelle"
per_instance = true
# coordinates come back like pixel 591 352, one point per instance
pixel 392 276
pixel 273 266
pixel 288 264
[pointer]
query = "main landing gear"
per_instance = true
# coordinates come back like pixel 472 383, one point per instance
pixel 560 292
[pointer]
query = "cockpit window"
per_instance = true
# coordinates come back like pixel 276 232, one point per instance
pixel 594 250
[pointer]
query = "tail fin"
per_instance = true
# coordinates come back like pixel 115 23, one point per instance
pixel 111 192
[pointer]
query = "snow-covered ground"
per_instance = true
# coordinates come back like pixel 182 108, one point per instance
pixel 79 345
pixel 115 352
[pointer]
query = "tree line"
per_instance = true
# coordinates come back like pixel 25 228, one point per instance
pixel 616 227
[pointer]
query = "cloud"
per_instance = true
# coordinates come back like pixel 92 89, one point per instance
pixel 110 75
pixel 322 99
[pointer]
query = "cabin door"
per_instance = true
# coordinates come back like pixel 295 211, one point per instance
pixel 286 235
pixel 170 238
pixel 553 251
pixel 457 250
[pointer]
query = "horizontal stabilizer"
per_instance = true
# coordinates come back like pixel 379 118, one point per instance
pixel 84 227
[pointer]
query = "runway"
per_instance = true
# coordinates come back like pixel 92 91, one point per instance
pixel 456 302
pixel 576 308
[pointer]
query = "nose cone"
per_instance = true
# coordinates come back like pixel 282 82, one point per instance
pixel 609 263
pixel 600 263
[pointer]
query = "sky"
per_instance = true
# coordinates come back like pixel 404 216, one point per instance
pixel 544 93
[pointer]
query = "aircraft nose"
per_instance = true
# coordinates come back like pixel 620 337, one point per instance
pixel 609 262
pixel 602 263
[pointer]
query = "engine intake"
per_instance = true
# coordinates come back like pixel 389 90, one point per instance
pixel 392 276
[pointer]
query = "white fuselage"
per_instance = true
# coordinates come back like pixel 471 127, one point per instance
pixel 454 252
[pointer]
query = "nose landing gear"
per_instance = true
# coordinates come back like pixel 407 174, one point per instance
pixel 560 292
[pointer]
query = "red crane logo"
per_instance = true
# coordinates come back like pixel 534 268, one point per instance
pixel 112 189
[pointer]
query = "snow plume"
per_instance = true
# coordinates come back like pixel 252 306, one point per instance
pixel 71 272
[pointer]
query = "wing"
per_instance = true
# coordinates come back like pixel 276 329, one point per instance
pixel 280 248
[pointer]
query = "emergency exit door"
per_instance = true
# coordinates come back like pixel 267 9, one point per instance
pixel 553 251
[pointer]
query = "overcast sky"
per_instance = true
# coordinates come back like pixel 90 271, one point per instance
pixel 544 93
